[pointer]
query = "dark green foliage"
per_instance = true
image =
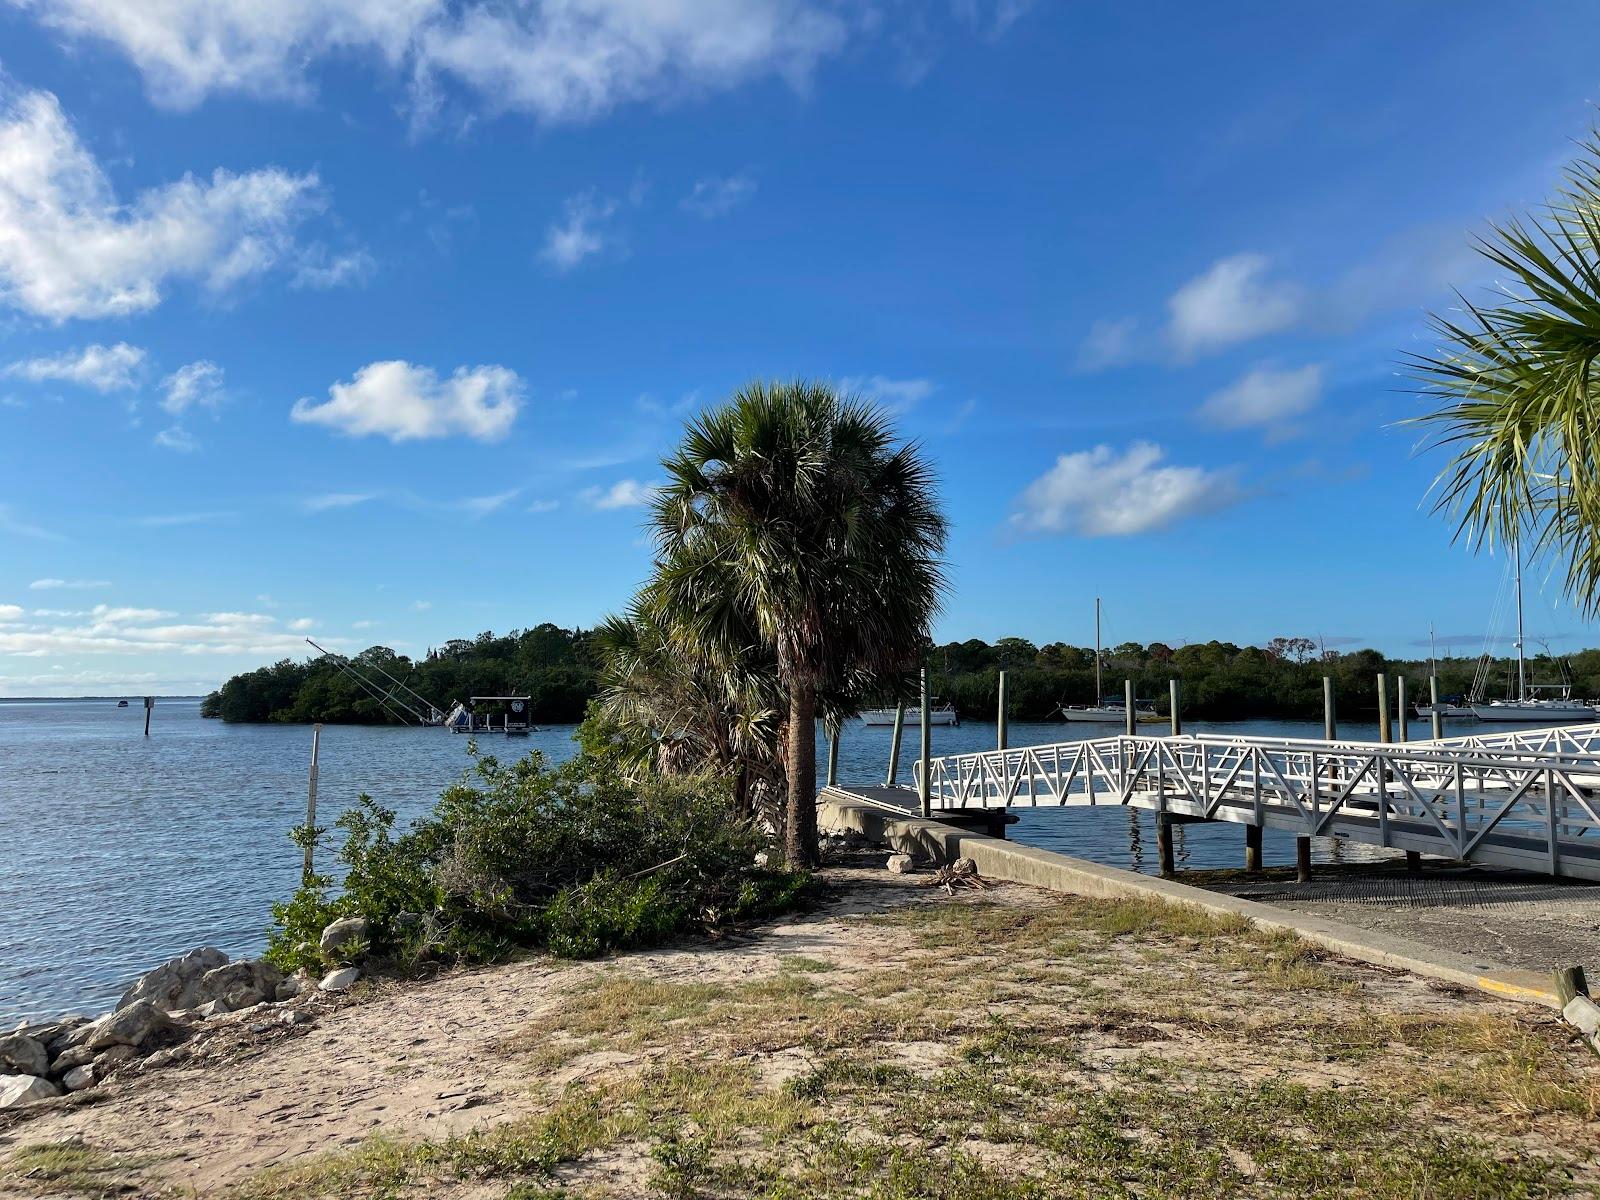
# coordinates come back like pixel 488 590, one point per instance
pixel 553 666
pixel 525 855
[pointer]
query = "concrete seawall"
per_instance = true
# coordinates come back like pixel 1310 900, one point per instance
pixel 939 842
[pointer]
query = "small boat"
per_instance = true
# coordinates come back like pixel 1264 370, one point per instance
pixel 1527 705
pixel 122 704
pixel 1110 712
pixel 939 713
pixel 1449 710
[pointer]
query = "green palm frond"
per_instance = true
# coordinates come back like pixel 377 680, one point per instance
pixel 1515 382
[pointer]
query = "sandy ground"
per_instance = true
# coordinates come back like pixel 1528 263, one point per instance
pixel 1514 919
pixel 451 1054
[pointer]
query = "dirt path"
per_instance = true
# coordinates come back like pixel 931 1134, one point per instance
pixel 752 1046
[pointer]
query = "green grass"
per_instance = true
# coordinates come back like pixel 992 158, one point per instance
pixel 71 1167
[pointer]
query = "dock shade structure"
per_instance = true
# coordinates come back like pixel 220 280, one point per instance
pixel 493 714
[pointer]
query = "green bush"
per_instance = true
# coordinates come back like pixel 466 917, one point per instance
pixel 572 858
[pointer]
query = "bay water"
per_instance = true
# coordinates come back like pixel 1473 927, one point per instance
pixel 127 850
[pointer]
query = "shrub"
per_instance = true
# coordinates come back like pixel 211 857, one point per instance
pixel 573 858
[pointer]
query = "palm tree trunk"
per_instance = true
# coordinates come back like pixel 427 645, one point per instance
pixel 800 814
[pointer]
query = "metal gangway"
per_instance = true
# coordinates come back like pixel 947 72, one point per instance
pixel 1528 801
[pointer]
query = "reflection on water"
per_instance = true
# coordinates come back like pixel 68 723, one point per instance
pixel 127 850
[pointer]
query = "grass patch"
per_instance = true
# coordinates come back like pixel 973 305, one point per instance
pixel 71 1167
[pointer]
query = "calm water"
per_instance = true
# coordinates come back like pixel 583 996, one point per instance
pixel 126 850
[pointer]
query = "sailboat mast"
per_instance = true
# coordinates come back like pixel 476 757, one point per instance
pixel 1099 691
pixel 1433 653
pixel 1522 664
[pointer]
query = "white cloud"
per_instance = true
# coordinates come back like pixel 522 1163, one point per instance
pixel 176 437
pixel 422 605
pixel 1100 493
pixel 561 60
pixel 403 402
pixel 362 624
pixel 69 249
pixel 10 522
pixel 1232 301
pixel 625 493
pixel 578 236
pixel 332 500
pixel 1110 343
pixel 198 383
pixel 102 368
pixel 1268 397
pixel 544 506
pixel 168 520
pixel 10 612
pixel 718 195
pixel 482 506
pixel 109 629
pixel 896 395
pixel 319 271
pixel 301 624
pixel 45 585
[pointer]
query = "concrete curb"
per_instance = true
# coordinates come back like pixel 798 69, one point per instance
pixel 1002 860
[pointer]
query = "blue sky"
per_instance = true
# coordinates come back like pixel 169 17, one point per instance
pixel 371 320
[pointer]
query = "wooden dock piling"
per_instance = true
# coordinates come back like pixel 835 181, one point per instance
pixel 1000 716
pixel 1252 849
pixel 1130 720
pixel 924 782
pixel 1174 698
pixel 894 743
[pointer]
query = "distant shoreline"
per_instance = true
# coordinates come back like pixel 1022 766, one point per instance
pixel 113 696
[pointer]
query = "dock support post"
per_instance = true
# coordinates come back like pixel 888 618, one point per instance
pixel 894 743
pixel 1164 846
pixel 1433 699
pixel 1302 859
pixel 311 804
pixel 1330 713
pixel 1130 722
pixel 1000 716
pixel 1252 849
pixel 833 753
pixel 1385 733
pixel 925 784
pixel 149 707
pixel 1174 698
pixel 1413 862
pixel 1402 714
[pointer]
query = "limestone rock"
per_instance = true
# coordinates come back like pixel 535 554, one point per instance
pixel 237 985
pixel 291 987
pixel 340 980
pixel 17 1090
pixel 23 1054
pixel 900 864
pixel 78 1078
pixel 173 983
pixel 295 1016
pixel 345 938
pixel 134 1025
pixel 76 1056
pixel 46 1032
pixel 113 1058
pixel 167 1057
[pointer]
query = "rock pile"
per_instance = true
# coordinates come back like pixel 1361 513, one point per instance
pixel 162 1009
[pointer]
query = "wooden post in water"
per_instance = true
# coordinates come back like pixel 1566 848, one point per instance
pixel 833 754
pixel 1437 719
pixel 1164 853
pixel 925 784
pixel 311 803
pixel 1401 713
pixel 1385 733
pixel 149 707
pixel 1129 721
pixel 1330 713
pixel 1302 859
pixel 894 743
pixel 1000 729
pixel 1252 849
pixel 1174 701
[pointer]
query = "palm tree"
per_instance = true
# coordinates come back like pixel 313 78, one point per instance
pixel 801 510
pixel 1520 396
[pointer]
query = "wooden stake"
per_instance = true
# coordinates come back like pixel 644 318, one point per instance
pixel 1385 734
pixel 1302 859
pixel 1330 715
pixel 1129 721
pixel 149 707
pixel 833 756
pixel 1000 716
pixel 1252 849
pixel 1570 984
pixel 1174 700
pixel 894 743
pixel 1402 715
pixel 311 802
pixel 925 784
pixel 1164 854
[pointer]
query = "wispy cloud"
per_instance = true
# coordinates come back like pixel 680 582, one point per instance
pixel 482 506
pixel 581 233
pixel 328 501
pixel 12 522
pixel 1267 397
pixel 198 384
pixel 1234 300
pixel 166 520
pixel 625 493
pixel 1103 493
pixel 896 395
pixel 176 437
pixel 544 506
pixel 99 368
pixel 85 585
pixel 718 195
pixel 319 270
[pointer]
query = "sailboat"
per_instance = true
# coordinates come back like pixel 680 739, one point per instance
pixel 1528 706
pixel 1109 711
pixel 1449 709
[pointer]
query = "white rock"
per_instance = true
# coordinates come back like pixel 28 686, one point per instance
pixel 344 937
pixel 900 864
pixel 133 1025
pixel 1580 1010
pixel 173 983
pixel 18 1090
pixel 237 985
pixel 340 980
pixel 294 1016
pixel 78 1078
pixel 291 987
pixel 763 859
